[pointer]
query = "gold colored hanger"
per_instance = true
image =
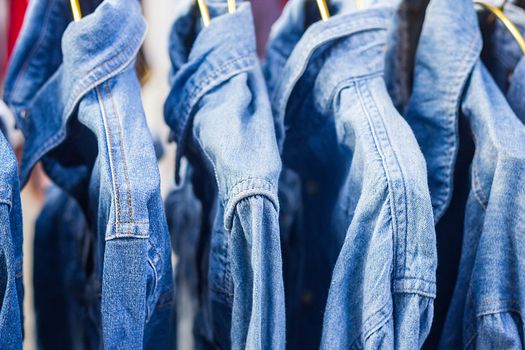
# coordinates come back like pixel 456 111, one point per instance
pixel 205 13
pixel 498 12
pixel 75 8
pixel 323 9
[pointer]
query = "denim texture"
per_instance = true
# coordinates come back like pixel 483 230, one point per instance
pixel 500 52
pixel 368 239
pixel 184 213
pixel 66 290
pixel 76 98
pixel 474 146
pixel 11 289
pixel 516 90
pixel 504 58
pixel 220 116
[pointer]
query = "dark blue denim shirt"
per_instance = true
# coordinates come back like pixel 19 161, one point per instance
pixel 368 237
pixel 76 98
pixel 474 146
pixel 220 115
pixel 66 290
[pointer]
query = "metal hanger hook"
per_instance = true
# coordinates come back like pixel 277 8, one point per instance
pixel 75 8
pixel 205 13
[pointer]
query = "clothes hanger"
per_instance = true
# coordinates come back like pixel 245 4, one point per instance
pixel 75 8
pixel 323 9
pixel 205 14
pixel 498 12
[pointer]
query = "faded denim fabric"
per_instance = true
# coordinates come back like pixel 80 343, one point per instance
pixel 76 98
pixel 184 213
pixel 66 290
pixel 516 92
pixel 368 237
pixel 11 289
pixel 220 115
pixel 474 146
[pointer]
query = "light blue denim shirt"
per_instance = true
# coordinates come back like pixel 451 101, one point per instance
pixel 368 279
pixel 11 289
pixel 474 146
pixel 220 115
pixel 76 97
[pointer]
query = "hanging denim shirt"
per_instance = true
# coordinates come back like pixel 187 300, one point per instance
pixel 11 290
pixel 475 151
pixel 505 59
pixel 184 213
pixel 66 291
pixel 501 53
pixel 220 115
pixel 368 233
pixel 76 98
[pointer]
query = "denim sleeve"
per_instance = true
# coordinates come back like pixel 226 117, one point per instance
pixel 244 158
pixel 256 267
pixel 383 285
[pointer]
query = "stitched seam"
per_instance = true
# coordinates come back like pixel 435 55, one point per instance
pixel 313 45
pixel 475 334
pixel 122 151
pixel 111 166
pixel 357 343
pixel 103 65
pixel 219 75
pixel 402 177
pixel 61 133
pixel 235 191
pixel 414 278
pixel 347 83
pixel 391 201
pixel 452 120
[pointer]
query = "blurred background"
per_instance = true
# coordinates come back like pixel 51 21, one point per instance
pixel 159 15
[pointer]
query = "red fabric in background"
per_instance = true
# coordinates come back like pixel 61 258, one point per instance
pixel 17 10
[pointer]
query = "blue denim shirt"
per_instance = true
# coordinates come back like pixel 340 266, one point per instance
pixel 475 151
pixel 11 289
pixel 184 214
pixel 505 59
pixel 368 233
pixel 66 289
pixel 76 97
pixel 220 115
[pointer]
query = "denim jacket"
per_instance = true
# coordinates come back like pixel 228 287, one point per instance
pixel 475 151
pixel 76 97
pixel 11 290
pixel 368 233
pixel 220 116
